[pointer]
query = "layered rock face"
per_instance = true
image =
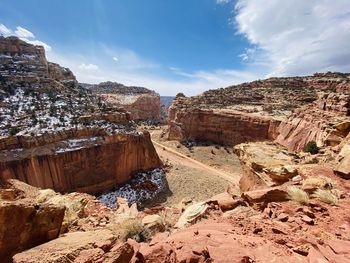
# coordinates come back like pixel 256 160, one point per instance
pixel 297 110
pixel 228 127
pixel 93 163
pixel 56 134
pixel 142 103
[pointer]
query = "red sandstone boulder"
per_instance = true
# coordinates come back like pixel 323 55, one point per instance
pixel 25 224
pixel 225 201
pixel 266 195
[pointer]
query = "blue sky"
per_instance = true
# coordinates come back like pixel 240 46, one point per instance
pixel 185 46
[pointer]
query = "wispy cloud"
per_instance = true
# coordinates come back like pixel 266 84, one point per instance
pixel 4 30
pixel 301 37
pixel 25 35
pixel 88 66
pixel 220 2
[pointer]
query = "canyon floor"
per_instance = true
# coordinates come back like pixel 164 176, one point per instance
pixel 195 173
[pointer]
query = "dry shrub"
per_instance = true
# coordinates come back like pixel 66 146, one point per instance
pixel 298 195
pixel 134 229
pixel 169 219
pixel 325 196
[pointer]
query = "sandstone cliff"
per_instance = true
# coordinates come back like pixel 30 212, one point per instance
pixel 142 103
pixel 93 163
pixel 292 110
pixel 56 134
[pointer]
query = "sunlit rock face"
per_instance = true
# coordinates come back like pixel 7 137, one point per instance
pixel 291 110
pixel 143 104
pixel 57 134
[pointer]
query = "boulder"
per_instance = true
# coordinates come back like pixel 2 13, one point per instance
pixel 225 201
pixel 266 195
pixel 264 165
pixel 25 224
pixel 69 247
pixel 343 167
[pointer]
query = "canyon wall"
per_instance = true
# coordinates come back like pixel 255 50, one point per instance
pixel 90 164
pixel 292 111
pixel 227 127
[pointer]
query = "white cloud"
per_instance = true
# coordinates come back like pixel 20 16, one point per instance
pixel 221 2
pixel 38 43
pixel 115 59
pixel 297 37
pixel 4 30
pixel 23 33
pixel 88 66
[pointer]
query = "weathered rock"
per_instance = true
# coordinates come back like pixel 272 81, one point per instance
pixel 225 201
pixel 266 195
pixel 214 242
pixel 343 168
pixel 259 110
pixel 24 223
pixel 67 247
pixel 219 126
pixel 142 103
pixel 264 165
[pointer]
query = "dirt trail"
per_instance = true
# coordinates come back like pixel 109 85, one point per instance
pixel 173 156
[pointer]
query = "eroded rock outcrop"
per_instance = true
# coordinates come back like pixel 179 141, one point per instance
pixel 292 110
pixel 25 223
pixel 142 103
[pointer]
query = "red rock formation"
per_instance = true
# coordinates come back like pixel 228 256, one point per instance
pixel 141 106
pixel 24 223
pixel 292 110
pixel 142 103
pixel 93 163
pixel 221 126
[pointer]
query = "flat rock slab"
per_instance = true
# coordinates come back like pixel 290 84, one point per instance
pixel 66 248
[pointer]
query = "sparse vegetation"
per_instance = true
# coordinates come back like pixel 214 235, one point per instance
pixel 325 196
pixel 13 131
pixel 168 218
pixel 298 195
pixel 311 147
pixel 134 229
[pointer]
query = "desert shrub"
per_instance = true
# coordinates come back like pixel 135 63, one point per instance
pixel 311 147
pixel 168 218
pixel 13 131
pixel 298 195
pixel 325 196
pixel 134 229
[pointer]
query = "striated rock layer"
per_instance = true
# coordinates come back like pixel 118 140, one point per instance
pixel 291 111
pixel 93 163
pixel 142 103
